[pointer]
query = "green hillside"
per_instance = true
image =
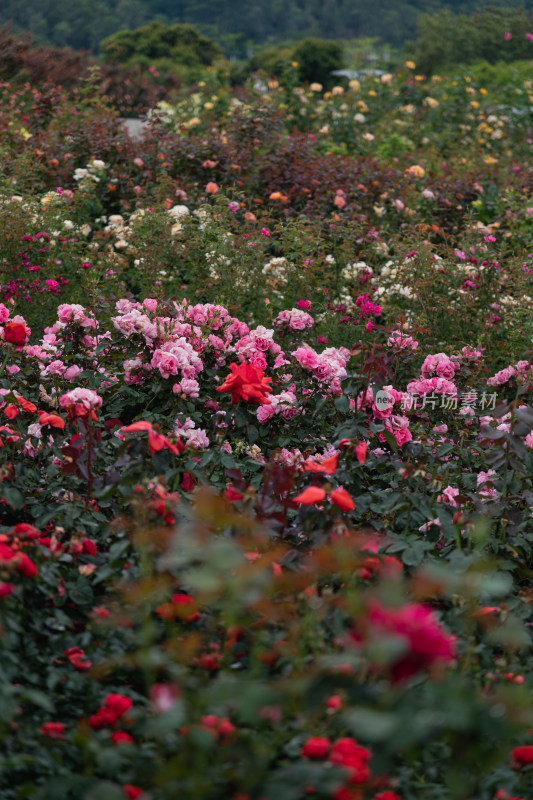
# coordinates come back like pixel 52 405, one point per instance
pixel 236 25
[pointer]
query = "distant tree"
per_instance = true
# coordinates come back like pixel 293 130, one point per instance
pixel 179 45
pixel 317 59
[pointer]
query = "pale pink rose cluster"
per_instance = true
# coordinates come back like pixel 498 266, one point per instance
pixel 81 397
pixel 255 346
pixel 471 353
pixel 388 397
pixel 74 312
pixel 448 496
pixel 436 385
pixel 522 371
pixel 398 425
pixel 4 314
pixel 485 484
pixel 191 435
pixel 177 356
pixel 134 321
pixel 213 316
pixel 58 368
pixel 187 387
pixel 400 341
pixel 501 377
pixel 329 367
pixel 284 403
pixel 290 458
pixel 135 371
pixel 295 319
pixel 440 364
pixel 502 423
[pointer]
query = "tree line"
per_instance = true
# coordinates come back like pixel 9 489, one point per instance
pixel 236 25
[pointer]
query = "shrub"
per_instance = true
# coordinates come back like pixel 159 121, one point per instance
pixel 156 44
pixel 317 59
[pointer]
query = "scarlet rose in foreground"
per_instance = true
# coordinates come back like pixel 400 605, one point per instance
pixel 246 382
pixel 15 333
pixel 425 641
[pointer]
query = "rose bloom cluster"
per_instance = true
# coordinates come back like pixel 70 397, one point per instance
pixel 13 559
pixel 183 344
pixel 353 759
pixel 522 371
pixel 386 413
pixel 400 341
pixel 81 403
pixel 295 319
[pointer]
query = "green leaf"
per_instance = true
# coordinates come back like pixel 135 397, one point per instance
pixel 253 433
pixel 412 556
pixel 391 441
pixel 227 460
pixel 374 726
pixel 342 403
pixel 13 497
pixel 445 449
pixel 104 790
pixel 81 593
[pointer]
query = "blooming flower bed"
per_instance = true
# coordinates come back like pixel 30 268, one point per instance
pixel 266 454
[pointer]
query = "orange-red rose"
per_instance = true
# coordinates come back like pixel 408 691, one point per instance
pixel 247 382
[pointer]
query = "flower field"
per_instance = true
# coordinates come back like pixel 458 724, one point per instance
pixel 266 441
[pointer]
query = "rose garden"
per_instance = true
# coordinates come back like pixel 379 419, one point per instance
pixel 266 442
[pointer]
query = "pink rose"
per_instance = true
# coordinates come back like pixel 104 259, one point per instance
pixel 265 412
pixel 150 304
pixel 445 369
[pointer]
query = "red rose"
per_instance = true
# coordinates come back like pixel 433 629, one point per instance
pixel 104 718
pixel 15 333
pixel 89 547
pixel 310 496
pixel 317 747
pixel 25 530
pixel 187 482
pixel 387 796
pixel 246 382
pixel 121 737
pixel 231 494
pixel 26 405
pixel 78 658
pixel 342 499
pixel 51 419
pixel 54 730
pixel 523 755
pixel 118 703
pixel 132 792
pixel 417 625
pixel 360 452
pixel 26 566
pixel 11 411
pixel 186 607
pixel 346 749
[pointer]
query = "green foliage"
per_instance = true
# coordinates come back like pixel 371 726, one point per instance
pixel 317 59
pixel 271 60
pixel 162 47
pixel 447 40
pixel 235 25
